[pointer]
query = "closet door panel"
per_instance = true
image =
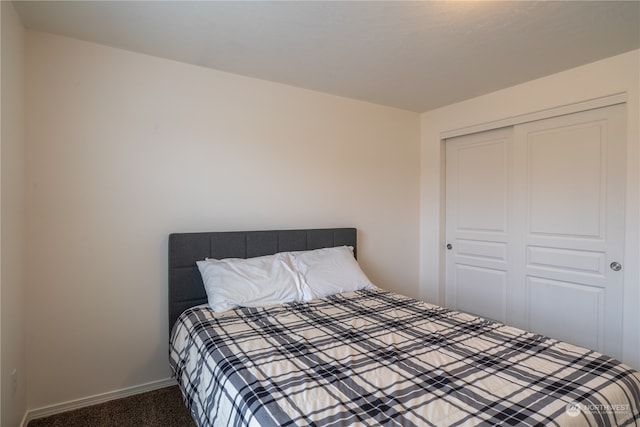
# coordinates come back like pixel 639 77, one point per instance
pixel 478 190
pixel 578 308
pixel 566 180
pixel 481 291
pixel 572 181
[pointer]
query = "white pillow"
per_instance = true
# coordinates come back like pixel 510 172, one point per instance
pixel 252 282
pixel 329 271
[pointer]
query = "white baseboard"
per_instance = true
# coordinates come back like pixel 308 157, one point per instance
pixel 46 411
pixel 25 420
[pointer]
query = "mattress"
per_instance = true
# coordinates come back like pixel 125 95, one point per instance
pixel 373 357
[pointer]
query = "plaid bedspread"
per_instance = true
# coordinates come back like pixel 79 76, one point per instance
pixel 379 358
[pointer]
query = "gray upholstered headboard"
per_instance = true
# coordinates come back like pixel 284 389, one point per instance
pixel 185 283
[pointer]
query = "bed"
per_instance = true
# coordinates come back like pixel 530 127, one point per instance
pixel 370 357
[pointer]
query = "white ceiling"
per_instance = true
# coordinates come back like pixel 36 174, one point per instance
pixel 415 55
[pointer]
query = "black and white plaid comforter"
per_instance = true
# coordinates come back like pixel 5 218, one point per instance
pixel 378 358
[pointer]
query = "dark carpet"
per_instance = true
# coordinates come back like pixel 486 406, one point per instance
pixel 162 407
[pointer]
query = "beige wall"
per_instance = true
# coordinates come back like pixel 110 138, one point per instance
pixel 12 331
pixel 123 149
pixel 618 74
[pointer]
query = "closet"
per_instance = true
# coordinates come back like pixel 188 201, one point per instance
pixel 535 226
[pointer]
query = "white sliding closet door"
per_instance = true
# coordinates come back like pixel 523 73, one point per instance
pixel 556 196
pixel 479 187
pixel 573 177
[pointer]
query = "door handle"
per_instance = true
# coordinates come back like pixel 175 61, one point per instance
pixel 615 266
pixel 449 246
